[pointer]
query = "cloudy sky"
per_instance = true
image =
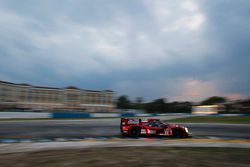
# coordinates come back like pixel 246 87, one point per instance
pixel 176 49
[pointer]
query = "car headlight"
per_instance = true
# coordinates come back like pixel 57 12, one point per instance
pixel 186 129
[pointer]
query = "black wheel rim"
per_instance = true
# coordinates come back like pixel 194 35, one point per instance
pixel 134 132
pixel 177 133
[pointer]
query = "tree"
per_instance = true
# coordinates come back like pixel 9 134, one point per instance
pixel 139 100
pixel 158 105
pixel 213 100
pixel 138 104
pixel 245 102
pixel 123 102
pixel 179 107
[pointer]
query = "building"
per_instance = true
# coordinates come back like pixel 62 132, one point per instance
pixel 24 96
pixel 208 109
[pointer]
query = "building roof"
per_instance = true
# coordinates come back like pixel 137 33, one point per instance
pixel 44 87
pixel 23 84
pixel 72 87
pixel 97 90
pixel 6 82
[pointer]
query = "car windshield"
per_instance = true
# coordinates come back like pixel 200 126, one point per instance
pixel 156 123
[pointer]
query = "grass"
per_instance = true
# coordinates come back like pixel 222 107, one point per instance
pixel 132 156
pixel 214 119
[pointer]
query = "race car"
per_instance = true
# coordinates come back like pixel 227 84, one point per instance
pixel 135 127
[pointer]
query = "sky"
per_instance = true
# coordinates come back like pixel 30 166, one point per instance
pixel 181 50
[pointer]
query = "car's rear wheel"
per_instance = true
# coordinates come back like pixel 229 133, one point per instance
pixel 177 133
pixel 134 131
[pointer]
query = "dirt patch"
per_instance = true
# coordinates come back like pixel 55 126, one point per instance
pixel 133 157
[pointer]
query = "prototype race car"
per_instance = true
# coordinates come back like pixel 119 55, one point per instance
pixel 134 127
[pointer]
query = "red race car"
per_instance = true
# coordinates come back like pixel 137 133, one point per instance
pixel 134 127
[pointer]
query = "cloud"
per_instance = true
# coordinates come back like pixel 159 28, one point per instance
pixel 236 96
pixel 175 89
pixel 153 48
pixel 196 90
pixel 99 48
pixel 176 16
pixel 190 5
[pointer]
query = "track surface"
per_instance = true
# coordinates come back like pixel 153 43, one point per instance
pixel 105 128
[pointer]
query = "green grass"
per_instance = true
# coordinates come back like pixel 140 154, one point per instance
pixel 214 119
pixel 131 156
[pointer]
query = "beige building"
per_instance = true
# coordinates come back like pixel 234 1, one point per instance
pixel 24 96
pixel 208 109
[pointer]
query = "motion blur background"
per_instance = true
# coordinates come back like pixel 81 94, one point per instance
pixel 69 70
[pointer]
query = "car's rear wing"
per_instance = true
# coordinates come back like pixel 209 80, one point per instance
pixel 129 121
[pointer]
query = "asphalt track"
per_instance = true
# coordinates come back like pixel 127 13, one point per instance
pixel 26 147
pixel 52 129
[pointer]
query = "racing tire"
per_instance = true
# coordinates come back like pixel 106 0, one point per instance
pixel 134 131
pixel 177 133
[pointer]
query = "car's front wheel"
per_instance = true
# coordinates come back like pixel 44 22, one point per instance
pixel 134 131
pixel 177 133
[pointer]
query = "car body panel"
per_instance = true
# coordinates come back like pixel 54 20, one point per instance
pixel 152 127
